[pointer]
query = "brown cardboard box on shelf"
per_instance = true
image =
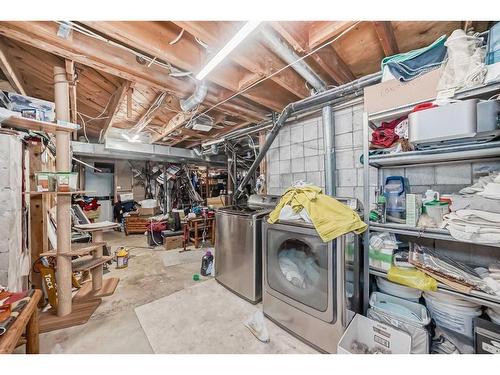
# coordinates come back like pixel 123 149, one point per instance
pixel 148 211
pixel 173 242
pixel 217 202
pixel 393 93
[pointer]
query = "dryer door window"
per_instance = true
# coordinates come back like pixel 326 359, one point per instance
pixel 299 269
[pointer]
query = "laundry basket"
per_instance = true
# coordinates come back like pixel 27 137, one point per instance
pixel 453 313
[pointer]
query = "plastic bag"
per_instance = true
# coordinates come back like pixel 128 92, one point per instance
pixel 257 325
pixel 465 65
pixel 412 278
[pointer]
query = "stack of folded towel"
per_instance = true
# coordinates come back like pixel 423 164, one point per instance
pixel 475 214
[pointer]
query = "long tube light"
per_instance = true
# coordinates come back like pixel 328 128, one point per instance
pixel 228 48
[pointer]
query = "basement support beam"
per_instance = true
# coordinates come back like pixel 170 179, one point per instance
pixel 70 73
pixel 9 69
pixel 386 37
pixel 113 108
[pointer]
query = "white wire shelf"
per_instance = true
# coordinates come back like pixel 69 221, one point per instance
pixel 433 233
pixel 474 296
pixel 467 152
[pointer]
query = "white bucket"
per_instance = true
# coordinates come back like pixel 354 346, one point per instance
pixel 401 291
pixel 455 317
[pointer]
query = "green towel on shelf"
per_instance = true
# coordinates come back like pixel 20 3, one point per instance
pixel 412 54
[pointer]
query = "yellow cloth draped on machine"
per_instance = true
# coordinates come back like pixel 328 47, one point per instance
pixel 330 217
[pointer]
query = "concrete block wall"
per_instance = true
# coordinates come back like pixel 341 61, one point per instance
pixel 298 154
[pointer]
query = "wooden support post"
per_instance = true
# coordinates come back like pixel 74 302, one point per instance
pixel 32 337
pixel 207 186
pixel 97 236
pixel 70 71
pixel 63 164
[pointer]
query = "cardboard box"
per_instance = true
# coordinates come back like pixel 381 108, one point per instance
pixel 375 335
pixel 148 211
pixel 486 337
pixel 393 93
pixel 173 242
pixel 216 202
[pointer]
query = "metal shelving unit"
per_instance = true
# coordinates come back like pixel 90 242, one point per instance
pixel 449 154
pixel 475 296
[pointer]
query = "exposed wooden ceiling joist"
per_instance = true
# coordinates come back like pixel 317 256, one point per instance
pixel 113 60
pixel 154 37
pixel 321 31
pixel 113 107
pixel 9 69
pixel 213 33
pixel 151 112
pixel 386 36
pixel 291 33
pixel 330 61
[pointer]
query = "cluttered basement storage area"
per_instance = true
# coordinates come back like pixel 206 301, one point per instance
pixel 250 187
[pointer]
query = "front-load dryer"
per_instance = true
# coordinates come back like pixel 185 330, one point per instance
pixel 310 288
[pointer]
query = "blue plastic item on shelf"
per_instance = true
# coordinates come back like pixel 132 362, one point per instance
pixel 395 190
pixel 493 52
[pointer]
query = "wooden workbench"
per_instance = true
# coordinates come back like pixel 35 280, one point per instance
pixel 195 229
pixel 26 323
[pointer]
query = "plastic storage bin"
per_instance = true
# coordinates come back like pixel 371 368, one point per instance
pixel 409 317
pixel 375 336
pixel 44 181
pixel 397 290
pixel 493 54
pixel 395 190
pixel 444 123
pixel 66 181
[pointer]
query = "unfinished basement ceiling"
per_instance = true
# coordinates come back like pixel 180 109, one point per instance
pixel 115 89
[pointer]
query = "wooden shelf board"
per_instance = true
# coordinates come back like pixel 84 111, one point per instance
pixel 108 288
pixel 88 264
pixel 37 125
pixel 78 249
pixel 80 314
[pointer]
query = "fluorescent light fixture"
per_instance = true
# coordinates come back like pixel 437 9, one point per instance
pixel 133 139
pixel 228 48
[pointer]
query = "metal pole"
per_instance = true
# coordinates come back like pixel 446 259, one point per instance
pixel 366 210
pixel 329 142
pixel 165 191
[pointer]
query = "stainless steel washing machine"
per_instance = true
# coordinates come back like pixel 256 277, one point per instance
pixel 311 288
pixel 238 246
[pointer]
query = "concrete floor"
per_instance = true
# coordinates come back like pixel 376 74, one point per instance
pixel 144 281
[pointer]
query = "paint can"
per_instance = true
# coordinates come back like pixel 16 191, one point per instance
pixel 121 258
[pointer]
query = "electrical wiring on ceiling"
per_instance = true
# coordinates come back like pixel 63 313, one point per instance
pixel 177 38
pixel 279 70
pixel 173 71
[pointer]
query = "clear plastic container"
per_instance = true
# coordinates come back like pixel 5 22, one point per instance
pixel 395 190
pixel 493 54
